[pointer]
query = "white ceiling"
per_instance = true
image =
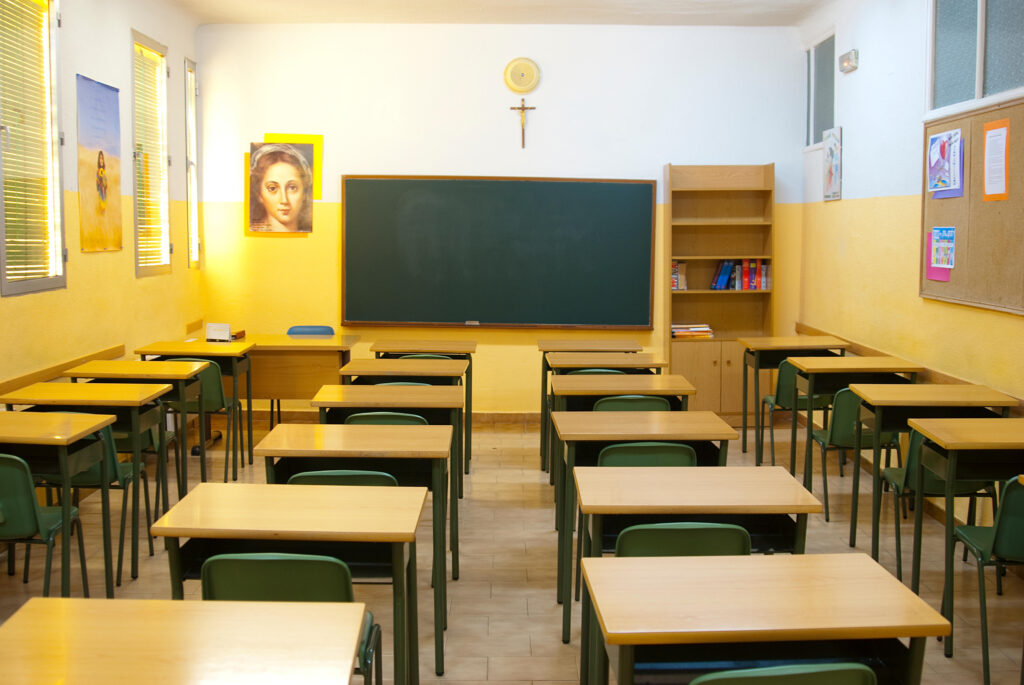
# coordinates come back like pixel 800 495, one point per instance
pixel 648 12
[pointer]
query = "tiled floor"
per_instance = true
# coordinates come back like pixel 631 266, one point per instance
pixel 504 624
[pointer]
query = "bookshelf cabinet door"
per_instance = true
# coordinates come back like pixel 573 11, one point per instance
pixel 700 361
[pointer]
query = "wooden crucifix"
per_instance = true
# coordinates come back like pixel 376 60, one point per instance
pixel 522 118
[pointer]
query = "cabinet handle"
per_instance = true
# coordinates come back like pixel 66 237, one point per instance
pixel 728 362
pixel 714 363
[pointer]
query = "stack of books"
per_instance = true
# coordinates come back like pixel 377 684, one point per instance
pixel 692 330
pixel 678 275
pixel 742 274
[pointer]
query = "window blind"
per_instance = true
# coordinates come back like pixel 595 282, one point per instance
pixel 31 248
pixel 149 99
pixel 191 159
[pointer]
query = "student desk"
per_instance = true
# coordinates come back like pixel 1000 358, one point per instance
pixel 231 357
pixel 184 375
pixel 39 437
pixel 759 499
pixel 714 613
pixel 136 409
pixel 888 407
pixel 982 449
pixel 316 519
pixel 456 349
pixel 546 346
pixel 50 640
pixel 573 427
pixel 767 353
pixel 453 370
pixel 293 367
pixel 432 443
pixel 827 375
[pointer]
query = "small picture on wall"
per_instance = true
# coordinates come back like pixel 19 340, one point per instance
pixel 279 192
pixel 833 146
pixel 99 165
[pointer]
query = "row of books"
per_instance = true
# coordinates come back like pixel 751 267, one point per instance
pixel 678 275
pixel 692 330
pixel 742 274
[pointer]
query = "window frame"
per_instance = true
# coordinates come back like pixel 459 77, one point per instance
pixel 809 132
pixel 192 227
pixel 58 249
pixel 142 271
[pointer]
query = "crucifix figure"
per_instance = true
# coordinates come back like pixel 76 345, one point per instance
pixel 522 117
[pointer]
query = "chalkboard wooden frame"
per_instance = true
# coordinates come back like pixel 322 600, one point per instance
pixel 413 254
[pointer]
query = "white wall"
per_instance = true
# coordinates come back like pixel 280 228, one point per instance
pixel 613 101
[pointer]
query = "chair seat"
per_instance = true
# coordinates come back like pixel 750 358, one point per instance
pixel 820 402
pixel 50 521
pixel 976 537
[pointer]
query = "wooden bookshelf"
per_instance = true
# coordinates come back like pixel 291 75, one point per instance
pixel 715 213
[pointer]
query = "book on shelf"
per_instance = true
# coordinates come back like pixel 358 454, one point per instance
pixel 674 275
pixel 692 330
pixel 745 279
pixel 722 275
pixel 766 277
pixel 678 277
pixel 737 278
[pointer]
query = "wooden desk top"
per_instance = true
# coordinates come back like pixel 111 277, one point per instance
pixel 854 364
pixel 299 343
pixel 320 440
pixel 794 342
pixel 621 384
pixel 55 640
pixel 641 425
pixel 931 395
pixel 425 346
pixel 196 348
pixel 675 600
pixel 385 396
pixel 49 428
pixel 972 434
pixel 87 394
pixel 133 368
pixel 617 360
pixel 589 346
pixel 692 490
pixel 405 367
pixel 256 511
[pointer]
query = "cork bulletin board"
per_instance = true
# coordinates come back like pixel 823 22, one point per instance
pixel 988 268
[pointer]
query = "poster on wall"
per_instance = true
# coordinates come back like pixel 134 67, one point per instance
pixel 279 191
pixel 99 165
pixel 932 272
pixel 997 133
pixel 943 247
pixel 832 142
pixel 945 161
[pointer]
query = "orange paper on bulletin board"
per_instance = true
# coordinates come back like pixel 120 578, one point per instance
pixel 996 183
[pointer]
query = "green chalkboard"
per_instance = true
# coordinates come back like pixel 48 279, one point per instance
pixel 497 251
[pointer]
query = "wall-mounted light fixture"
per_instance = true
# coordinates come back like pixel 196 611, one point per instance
pixel 848 61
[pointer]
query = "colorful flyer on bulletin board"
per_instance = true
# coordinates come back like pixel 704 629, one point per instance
pixel 997 134
pixel 945 166
pixel 932 272
pixel 943 247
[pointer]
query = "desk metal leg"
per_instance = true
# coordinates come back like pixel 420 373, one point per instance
pixel 108 570
pixel 947 581
pixel 743 419
pixel 809 439
pixel 237 420
pixel 876 479
pixel 858 431
pixel 626 664
pixel 399 550
pixel 454 502
pixel 174 562
pixel 182 435
pixel 469 418
pixel 248 401
pixel 413 618
pixel 137 478
pixel 565 549
pixel 461 442
pixel 544 461
pixel 792 430
pixel 915 577
pixel 440 560
pixel 65 520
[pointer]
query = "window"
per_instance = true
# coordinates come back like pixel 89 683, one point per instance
pixel 976 49
pixel 31 233
pixel 191 165
pixel 149 125
pixel 821 79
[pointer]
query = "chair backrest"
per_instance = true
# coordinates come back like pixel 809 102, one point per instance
pixel 276 578
pixel 386 418
pixel 784 380
pixel 688 539
pixel 802 674
pixel 842 426
pixel 214 398
pixel 93 473
pixel 632 403
pixel 647 454
pixel 19 510
pixel 424 355
pixel 311 330
pixel 343 477
pixel 595 372
pixel 1008 537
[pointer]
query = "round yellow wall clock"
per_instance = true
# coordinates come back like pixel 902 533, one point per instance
pixel 522 75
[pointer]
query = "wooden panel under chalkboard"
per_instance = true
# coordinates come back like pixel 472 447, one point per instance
pixel 494 252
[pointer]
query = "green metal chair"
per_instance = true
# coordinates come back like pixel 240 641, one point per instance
pixel 22 520
pixel 344 477
pixel 782 399
pixel 842 435
pixel 802 674
pixel 998 545
pixel 648 453
pixel 215 400
pixel 684 539
pixel 632 403
pixel 903 483
pixel 386 418
pixel 121 477
pixel 292 578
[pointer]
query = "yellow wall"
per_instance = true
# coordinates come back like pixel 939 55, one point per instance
pixel 103 305
pixel 860 280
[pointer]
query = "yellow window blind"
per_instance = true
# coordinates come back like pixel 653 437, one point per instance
pixel 31 245
pixel 149 100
